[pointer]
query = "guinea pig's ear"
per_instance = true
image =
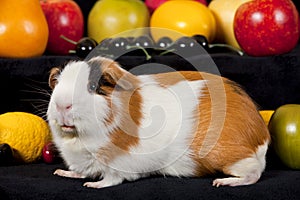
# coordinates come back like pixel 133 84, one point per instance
pixel 54 73
pixel 119 77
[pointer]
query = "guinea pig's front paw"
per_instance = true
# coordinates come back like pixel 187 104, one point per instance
pixel 69 174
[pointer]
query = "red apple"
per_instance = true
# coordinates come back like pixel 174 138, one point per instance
pixel 50 153
pixel 299 25
pixel 64 17
pixel 202 1
pixel 153 4
pixel 267 27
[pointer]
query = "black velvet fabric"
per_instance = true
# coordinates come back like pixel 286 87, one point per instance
pixel 36 181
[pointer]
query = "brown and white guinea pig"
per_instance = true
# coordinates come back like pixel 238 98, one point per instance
pixel 112 125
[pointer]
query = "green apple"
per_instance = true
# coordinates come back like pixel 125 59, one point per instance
pixel 224 12
pixel 284 127
pixel 111 17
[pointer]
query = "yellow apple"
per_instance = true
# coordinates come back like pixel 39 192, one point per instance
pixel 224 12
pixel 112 17
pixel 186 17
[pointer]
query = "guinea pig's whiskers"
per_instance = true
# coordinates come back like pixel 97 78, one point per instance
pixel 40 106
pixel 38 97
pixel 41 113
pixel 37 90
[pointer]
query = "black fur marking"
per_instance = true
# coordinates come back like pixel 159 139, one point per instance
pixel 96 79
pixel 94 76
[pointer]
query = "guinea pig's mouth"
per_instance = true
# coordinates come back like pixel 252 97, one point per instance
pixel 68 129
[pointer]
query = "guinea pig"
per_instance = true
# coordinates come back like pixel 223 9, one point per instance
pixel 111 125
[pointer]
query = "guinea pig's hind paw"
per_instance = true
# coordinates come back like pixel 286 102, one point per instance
pixel 105 182
pixel 232 181
pixel 97 184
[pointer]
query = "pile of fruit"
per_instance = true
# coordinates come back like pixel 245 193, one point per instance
pixel 256 27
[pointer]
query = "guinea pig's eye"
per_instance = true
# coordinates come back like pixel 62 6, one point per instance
pixel 92 87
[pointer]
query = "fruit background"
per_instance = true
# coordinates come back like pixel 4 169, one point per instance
pixel 255 28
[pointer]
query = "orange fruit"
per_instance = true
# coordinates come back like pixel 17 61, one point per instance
pixel 23 29
pixel 186 17
pixel 26 133
pixel 266 115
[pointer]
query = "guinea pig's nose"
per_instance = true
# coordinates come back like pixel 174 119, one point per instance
pixel 63 108
pixel 68 107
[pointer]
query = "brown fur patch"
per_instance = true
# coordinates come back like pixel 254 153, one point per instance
pixel 168 79
pixel 236 136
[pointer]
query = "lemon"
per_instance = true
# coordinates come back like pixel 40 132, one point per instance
pixel 266 115
pixel 26 133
